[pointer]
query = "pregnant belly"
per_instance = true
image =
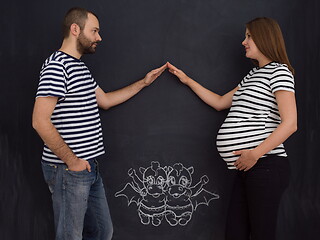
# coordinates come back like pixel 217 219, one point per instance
pixel 234 136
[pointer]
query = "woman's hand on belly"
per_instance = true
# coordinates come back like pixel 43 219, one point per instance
pixel 246 160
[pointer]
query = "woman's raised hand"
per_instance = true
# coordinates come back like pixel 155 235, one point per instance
pixel 179 73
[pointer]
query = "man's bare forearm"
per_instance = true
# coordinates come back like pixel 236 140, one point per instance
pixel 54 141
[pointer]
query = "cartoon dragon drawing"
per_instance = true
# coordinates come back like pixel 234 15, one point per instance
pixel 166 192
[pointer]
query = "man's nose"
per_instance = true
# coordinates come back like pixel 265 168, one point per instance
pixel 99 39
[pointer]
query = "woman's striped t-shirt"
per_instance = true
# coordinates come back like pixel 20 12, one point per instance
pixel 76 115
pixel 254 113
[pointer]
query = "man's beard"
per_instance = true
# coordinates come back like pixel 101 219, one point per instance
pixel 84 45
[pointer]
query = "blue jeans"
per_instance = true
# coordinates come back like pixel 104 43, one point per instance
pixel 79 203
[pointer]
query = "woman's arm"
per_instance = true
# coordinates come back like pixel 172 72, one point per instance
pixel 212 99
pixel 288 112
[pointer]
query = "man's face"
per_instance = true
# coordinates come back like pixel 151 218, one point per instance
pixel 89 37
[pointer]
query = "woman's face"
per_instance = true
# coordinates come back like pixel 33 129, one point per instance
pixel 251 49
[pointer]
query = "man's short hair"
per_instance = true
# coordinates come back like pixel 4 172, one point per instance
pixel 75 15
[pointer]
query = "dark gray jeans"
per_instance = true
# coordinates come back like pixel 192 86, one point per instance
pixel 255 199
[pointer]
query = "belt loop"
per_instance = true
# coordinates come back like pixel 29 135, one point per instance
pixel 97 165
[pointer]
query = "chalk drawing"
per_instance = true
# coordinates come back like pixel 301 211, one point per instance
pixel 166 193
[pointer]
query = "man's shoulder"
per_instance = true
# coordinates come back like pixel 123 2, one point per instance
pixel 59 58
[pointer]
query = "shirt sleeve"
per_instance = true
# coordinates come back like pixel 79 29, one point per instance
pixel 52 81
pixel 94 84
pixel 244 79
pixel 240 84
pixel 282 79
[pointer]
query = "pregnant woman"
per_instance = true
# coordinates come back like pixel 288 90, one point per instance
pixel 262 116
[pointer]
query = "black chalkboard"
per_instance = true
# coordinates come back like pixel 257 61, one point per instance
pixel 164 126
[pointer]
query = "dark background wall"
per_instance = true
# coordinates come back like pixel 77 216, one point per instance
pixel 166 122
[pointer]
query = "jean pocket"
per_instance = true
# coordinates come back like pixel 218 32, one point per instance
pixel 82 172
pixel 49 172
pixel 79 174
pixel 79 178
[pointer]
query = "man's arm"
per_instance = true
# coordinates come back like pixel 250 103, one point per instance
pixel 41 122
pixel 110 99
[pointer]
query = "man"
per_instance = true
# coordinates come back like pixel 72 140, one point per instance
pixel 67 119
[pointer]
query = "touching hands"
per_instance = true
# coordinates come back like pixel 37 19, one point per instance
pixel 246 160
pixel 152 75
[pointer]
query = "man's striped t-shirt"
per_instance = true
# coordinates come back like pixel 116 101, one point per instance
pixel 76 115
pixel 254 113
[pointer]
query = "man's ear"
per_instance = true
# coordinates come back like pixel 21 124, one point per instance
pixel 75 29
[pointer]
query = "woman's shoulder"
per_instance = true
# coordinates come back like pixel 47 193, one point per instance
pixel 277 65
pixel 276 68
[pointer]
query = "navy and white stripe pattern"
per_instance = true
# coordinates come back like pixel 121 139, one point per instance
pixel 254 113
pixel 76 115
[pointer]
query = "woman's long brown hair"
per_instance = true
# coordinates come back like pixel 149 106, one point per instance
pixel 267 36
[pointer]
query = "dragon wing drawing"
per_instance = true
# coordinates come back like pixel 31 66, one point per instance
pixel 203 197
pixel 131 193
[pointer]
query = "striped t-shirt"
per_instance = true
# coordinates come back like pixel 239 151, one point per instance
pixel 254 113
pixel 76 115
